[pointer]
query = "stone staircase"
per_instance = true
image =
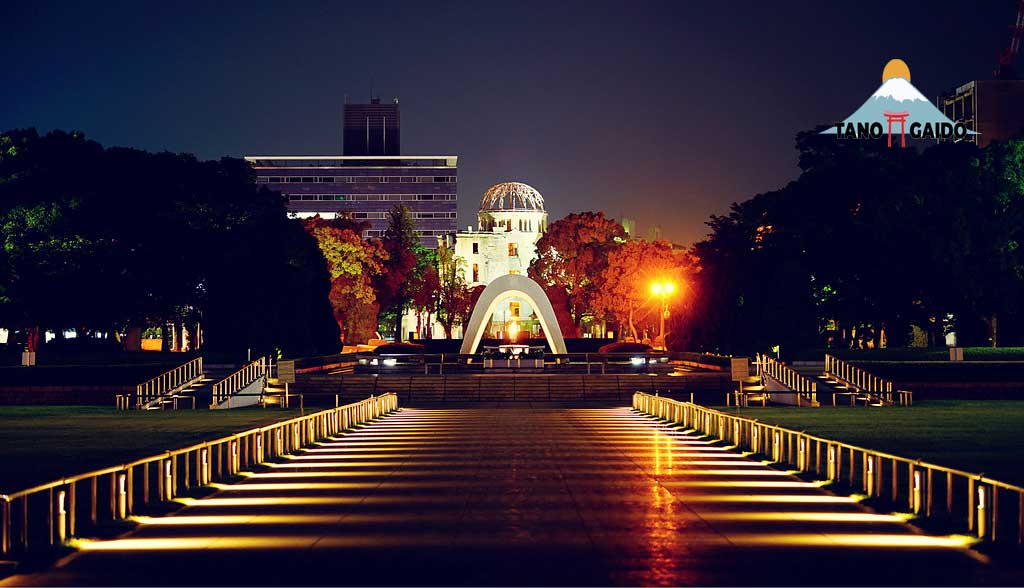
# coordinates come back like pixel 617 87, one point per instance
pixel 197 395
pixel 832 390
pixel 275 393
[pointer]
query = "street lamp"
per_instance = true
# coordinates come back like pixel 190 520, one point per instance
pixel 663 290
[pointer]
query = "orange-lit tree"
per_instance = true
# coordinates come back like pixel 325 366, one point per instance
pixel 352 263
pixel 625 294
pixel 571 258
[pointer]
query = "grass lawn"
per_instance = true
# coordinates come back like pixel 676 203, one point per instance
pixel 975 436
pixel 42 443
pixel 914 354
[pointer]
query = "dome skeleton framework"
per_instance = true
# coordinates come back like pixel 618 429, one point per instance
pixel 511 196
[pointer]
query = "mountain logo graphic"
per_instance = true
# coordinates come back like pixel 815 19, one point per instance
pixel 897 106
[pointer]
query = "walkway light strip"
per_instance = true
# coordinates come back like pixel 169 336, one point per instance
pixel 979 514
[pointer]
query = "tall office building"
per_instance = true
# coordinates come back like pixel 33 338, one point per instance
pixel 366 188
pixel 993 108
pixel 369 179
pixel 371 129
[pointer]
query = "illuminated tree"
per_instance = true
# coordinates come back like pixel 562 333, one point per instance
pixel 625 294
pixel 571 258
pixel 352 263
pixel 454 296
pixel 407 260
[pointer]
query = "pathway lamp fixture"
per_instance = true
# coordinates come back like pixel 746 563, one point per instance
pixel 662 290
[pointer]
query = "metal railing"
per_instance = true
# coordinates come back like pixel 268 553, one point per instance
pixel 248 374
pixel 987 508
pixel 804 387
pixel 864 382
pixel 50 514
pixel 168 382
pixel 444 363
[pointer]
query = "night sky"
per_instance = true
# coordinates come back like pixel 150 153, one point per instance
pixel 663 112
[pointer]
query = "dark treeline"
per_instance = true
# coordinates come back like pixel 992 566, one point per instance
pixel 869 242
pixel 119 239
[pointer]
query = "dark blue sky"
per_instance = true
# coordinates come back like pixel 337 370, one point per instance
pixel 662 111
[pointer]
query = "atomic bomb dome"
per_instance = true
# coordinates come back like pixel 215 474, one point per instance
pixel 511 196
pixel 511 220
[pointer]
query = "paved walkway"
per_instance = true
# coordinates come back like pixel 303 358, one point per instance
pixel 518 496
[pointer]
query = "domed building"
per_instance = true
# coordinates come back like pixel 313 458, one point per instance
pixel 510 221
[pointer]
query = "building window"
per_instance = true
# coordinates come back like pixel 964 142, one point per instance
pixel 476 272
pixel 513 309
pixel 513 249
pixel 476 248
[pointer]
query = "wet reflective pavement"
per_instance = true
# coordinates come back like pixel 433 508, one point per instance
pixel 518 496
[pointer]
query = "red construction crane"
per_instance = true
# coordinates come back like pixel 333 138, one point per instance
pixel 1008 55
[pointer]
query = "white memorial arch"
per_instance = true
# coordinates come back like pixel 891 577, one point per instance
pixel 498 292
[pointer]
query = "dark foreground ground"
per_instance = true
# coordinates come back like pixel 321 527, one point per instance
pixel 519 496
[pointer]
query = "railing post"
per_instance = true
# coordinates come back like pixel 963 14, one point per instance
pixel 5 525
pixel 168 478
pixel 119 484
pixel 982 511
pixel 1020 517
pixel 833 472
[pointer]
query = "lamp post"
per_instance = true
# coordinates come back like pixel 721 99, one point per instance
pixel 662 290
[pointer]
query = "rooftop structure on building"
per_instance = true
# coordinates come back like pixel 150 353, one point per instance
pixel 372 129
pixel 369 179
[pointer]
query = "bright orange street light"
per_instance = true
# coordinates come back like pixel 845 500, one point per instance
pixel 662 290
